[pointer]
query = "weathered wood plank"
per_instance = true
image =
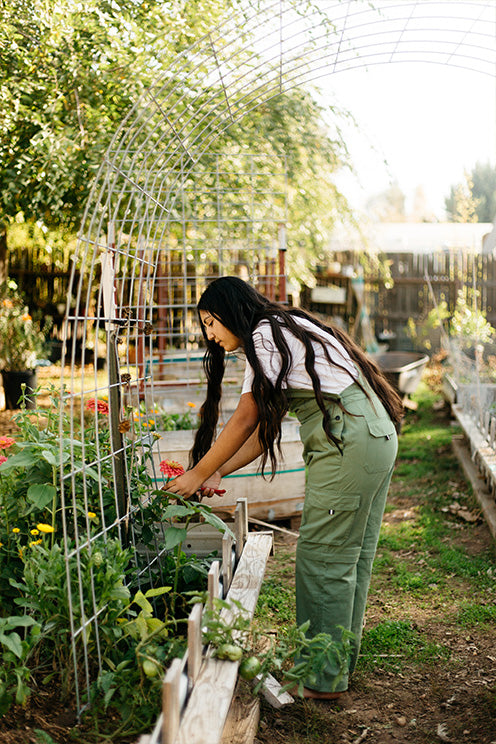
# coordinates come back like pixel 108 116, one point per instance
pixel 207 709
pixel 213 584
pixel 271 690
pixel 481 493
pixel 171 703
pixel 242 722
pixel 195 646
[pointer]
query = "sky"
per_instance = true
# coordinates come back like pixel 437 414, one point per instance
pixel 421 124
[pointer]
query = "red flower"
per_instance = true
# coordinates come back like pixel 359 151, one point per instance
pixel 100 405
pixel 171 469
pixel 3 459
pixel 6 442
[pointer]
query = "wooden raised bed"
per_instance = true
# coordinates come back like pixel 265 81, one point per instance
pixel 268 500
pixel 481 438
pixel 198 689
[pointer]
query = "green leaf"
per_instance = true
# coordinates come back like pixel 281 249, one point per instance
pixel 174 536
pixel 12 642
pixel 141 601
pixel 25 459
pixel 17 621
pixel 140 623
pixel 178 510
pixel 52 458
pixel 217 522
pixel 158 591
pixel 41 494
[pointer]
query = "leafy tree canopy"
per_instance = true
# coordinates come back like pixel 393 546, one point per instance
pixel 70 72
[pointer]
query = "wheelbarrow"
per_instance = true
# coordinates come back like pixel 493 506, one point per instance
pixel 403 369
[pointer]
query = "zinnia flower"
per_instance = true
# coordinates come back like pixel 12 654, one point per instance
pixel 15 530
pixel 171 469
pixel 6 442
pixel 35 542
pixel 47 528
pixel 101 406
pixel 35 532
pixel 192 405
pixel 3 459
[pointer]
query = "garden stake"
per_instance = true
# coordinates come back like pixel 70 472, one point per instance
pixel 116 438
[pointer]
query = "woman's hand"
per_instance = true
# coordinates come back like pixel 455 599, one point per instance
pixel 184 485
pixel 211 485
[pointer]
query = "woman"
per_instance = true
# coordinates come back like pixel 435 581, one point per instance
pixel 348 414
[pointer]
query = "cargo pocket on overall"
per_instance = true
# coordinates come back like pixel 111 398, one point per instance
pixel 382 445
pixel 329 517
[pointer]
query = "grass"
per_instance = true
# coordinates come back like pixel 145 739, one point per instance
pixel 392 643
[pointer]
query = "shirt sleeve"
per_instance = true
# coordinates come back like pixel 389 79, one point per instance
pixel 267 354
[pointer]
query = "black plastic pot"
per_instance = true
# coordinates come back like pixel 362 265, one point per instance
pixel 12 386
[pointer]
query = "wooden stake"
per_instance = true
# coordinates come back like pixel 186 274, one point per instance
pixel 195 645
pixel 171 704
pixel 227 543
pixel 240 525
pixel 213 584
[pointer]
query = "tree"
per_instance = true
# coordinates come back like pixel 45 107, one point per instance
pixel 474 200
pixel 69 73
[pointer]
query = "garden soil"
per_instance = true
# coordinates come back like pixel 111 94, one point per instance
pixel 422 704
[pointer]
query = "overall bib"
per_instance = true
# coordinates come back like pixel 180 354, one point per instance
pixel 345 496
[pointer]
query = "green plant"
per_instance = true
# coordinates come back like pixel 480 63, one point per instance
pixel 469 324
pixel 294 655
pixel 15 650
pixel 22 340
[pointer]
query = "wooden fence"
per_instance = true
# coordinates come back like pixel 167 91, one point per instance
pixel 413 285
pixel 408 289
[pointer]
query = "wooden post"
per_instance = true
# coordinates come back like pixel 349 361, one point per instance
pixel 492 431
pixel 171 703
pixel 213 584
pixel 227 545
pixel 195 645
pixel 240 525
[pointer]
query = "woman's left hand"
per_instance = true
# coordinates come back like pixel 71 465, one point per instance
pixel 184 485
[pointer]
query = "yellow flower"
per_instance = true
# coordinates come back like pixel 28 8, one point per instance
pixel 20 553
pixel 35 542
pixel 45 527
pixel 35 532
pixel 1 545
pixel 151 422
pixel 91 515
pixel 15 530
pixel 192 405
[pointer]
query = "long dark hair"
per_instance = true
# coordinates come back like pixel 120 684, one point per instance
pixel 240 307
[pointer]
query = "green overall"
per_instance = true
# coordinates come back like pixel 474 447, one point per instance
pixel 345 496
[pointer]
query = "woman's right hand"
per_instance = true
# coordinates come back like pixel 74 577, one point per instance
pixel 211 484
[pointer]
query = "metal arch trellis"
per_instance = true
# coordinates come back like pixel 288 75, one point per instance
pixel 141 257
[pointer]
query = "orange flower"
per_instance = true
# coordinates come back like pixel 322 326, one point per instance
pixel 99 405
pixel 26 317
pixel 171 469
pixel 192 405
pixel 6 442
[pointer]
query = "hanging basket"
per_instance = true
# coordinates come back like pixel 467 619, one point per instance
pixel 12 386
